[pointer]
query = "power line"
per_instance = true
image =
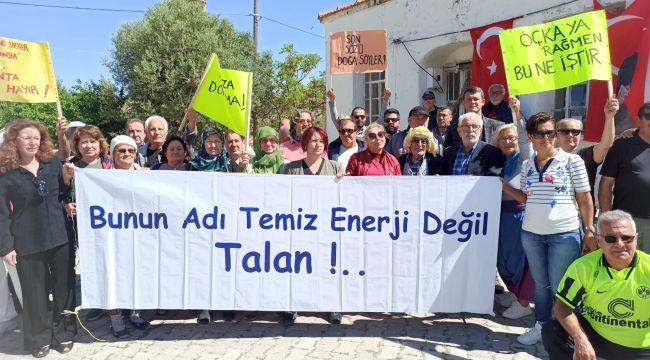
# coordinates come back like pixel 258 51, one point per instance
pixel 69 7
pixel 290 26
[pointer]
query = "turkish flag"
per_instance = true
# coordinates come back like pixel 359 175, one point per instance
pixel 487 63
pixel 629 48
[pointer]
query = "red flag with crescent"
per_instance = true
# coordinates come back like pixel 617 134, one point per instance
pixel 487 63
pixel 629 47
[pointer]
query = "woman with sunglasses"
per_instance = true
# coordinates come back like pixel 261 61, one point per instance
pixel 346 144
pixel 123 152
pixel 551 183
pixel 420 157
pixel 375 160
pixel 33 234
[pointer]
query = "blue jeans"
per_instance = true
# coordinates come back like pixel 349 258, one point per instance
pixel 548 258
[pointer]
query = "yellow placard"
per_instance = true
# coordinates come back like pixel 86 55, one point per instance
pixel 224 95
pixel 26 73
pixel 556 54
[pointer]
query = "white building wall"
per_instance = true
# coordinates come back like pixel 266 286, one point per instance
pixel 412 19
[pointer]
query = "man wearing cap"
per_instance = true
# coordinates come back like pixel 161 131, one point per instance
pixel 418 116
pixel 429 104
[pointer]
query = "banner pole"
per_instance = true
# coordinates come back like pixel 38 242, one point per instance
pixel 59 111
pixel 610 89
pixel 184 121
pixel 250 104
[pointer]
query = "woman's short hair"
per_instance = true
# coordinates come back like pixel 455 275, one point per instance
pixel 9 156
pixel 94 132
pixel 373 126
pixel 502 128
pixel 536 120
pixel 423 133
pixel 309 133
pixel 163 151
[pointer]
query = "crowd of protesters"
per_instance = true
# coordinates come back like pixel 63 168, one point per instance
pixel 549 248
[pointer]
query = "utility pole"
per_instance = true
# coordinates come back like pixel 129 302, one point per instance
pixel 255 23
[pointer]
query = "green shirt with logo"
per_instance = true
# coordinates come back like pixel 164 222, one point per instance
pixel 615 302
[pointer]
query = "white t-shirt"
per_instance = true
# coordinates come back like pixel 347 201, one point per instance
pixel 551 207
pixel 346 154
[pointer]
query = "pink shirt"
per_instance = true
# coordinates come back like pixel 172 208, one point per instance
pixel 292 150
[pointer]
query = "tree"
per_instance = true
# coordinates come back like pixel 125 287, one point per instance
pixel 158 61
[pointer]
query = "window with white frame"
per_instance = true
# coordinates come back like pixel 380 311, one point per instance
pixel 457 78
pixel 571 102
pixel 375 83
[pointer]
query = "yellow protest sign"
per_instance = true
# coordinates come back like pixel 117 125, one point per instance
pixel 224 95
pixel 556 54
pixel 26 73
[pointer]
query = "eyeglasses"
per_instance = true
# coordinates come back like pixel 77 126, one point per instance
pixel 377 135
pixel 645 116
pixel 41 187
pixel 359 116
pixel 566 132
pixel 471 126
pixel 544 134
pixel 509 139
pixel 346 131
pixel 420 140
pixel 610 239
pixel 124 151
pixel 390 120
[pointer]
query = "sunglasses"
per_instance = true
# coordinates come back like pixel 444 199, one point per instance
pixel 359 116
pixel 346 131
pixel 391 120
pixel 124 151
pixel 645 116
pixel 610 239
pixel 573 132
pixel 41 187
pixel 544 134
pixel 378 135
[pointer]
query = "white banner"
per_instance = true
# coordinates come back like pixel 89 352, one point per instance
pixel 199 240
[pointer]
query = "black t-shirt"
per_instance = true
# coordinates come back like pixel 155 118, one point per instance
pixel 628 161
pixel 587 155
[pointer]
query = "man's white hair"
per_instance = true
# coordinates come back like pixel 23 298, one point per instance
pixel 155 118
pixel 500 86
pixel 469 115
pixel 615 216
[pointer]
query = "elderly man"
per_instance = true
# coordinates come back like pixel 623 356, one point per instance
pixel 604 299
pixel 497 108
pixel 238 154
pixel 472 156
pixel 418 116
pixel 626 177
pixel 157 129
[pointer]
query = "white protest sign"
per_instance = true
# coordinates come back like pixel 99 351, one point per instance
pixel 199 240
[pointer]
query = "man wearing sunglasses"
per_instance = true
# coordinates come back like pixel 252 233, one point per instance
pixel 346 144
pixel 569 135
pixel 604 299
pixel 625 177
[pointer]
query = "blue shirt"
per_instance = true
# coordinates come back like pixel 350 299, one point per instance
pixel 462 160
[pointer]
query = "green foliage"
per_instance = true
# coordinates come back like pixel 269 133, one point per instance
pixel 159 60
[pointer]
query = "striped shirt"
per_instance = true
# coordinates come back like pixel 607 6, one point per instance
pixel 551 206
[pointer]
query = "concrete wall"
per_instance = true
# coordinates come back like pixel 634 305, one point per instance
pixel 412 19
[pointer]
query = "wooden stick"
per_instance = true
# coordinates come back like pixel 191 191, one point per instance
pixel 184 121
pixel 59 111
pixel 610 89
pixel 248 122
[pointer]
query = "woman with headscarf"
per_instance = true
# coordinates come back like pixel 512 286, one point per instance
pixel 212 154
pixel 420 157
pixel 268 158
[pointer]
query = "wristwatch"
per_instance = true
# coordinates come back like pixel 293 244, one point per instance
pixel 589 228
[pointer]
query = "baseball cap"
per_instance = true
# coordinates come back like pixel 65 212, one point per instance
pixel 418 110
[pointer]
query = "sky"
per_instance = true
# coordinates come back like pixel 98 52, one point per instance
pixel 81 39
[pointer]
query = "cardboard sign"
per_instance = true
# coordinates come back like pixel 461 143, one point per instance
pixel 224 95
pixel 557 54
pixel 26 73
pixel 358 51
pixel 204 240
